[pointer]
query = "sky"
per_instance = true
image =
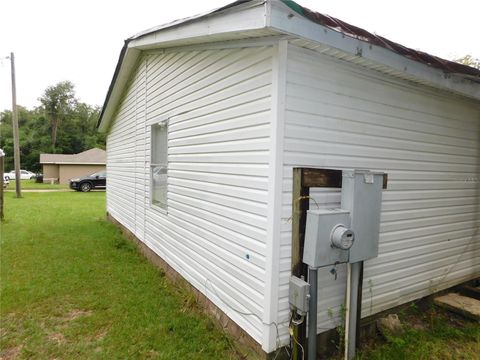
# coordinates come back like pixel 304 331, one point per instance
pixel 80 41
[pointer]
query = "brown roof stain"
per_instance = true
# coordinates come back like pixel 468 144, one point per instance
pixel 358 33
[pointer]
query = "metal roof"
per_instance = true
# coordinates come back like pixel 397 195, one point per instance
pixel 362 34
pixel 347 30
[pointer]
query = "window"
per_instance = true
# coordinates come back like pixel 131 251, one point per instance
pixel 101 174
pixel 159 164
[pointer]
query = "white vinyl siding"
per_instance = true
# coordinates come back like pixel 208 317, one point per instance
pixel 221 232
pixel 125 156
pixel 342 116
pixel 218 107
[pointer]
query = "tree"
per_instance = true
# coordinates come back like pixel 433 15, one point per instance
pixel 58 101
pixel 75 130
pixel 470 61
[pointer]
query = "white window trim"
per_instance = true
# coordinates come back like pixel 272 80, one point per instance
pixel 165 122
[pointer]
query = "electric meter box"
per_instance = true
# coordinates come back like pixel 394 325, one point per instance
pixel 362 196
pixel 322 227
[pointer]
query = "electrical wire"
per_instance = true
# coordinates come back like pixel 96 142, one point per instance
pixel 246 313
pixel 300 198
pixel 301 347
pixel 309 198
pixel 465 247
pixel 297 322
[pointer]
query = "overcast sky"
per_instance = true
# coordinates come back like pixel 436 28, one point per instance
pixel 56 40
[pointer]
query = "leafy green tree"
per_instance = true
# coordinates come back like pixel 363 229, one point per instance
pixel 75 128
pixel 58 101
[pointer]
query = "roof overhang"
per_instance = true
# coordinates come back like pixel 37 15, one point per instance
pixel 234 21
pixel 243 19
pixel 355 50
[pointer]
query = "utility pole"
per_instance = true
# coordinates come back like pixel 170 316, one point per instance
pixel 16 141
pixel 2 170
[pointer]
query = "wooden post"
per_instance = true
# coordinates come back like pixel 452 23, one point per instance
pixel 16 141
pixel 300 205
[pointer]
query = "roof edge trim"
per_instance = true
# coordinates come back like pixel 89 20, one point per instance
pixel 287 20
pixel 132 47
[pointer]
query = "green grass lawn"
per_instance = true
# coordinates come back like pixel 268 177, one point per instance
pixel 73 288
pixel 32 185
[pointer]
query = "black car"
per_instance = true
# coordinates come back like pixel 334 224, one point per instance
pixel 97 180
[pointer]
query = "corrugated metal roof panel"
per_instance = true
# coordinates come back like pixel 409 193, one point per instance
pixel 364 35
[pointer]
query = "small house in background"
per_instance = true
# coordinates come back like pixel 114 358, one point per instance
pixel 60 168
pixel 206 118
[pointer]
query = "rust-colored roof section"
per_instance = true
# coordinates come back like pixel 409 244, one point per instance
pixel 92 156
pixel 364 35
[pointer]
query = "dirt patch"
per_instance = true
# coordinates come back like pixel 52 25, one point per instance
pixel 76 313
pixel 152 354
pixel 419 326
pixel 98 336
pixel 11 353
pixel 101 335
pixel 57 338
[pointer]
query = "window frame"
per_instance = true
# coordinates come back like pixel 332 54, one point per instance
pixel 158 207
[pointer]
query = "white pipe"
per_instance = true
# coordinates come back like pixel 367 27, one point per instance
pixel 354 307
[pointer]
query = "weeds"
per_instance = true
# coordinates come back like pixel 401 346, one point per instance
pixel 430 334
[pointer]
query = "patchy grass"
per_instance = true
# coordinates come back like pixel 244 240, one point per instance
pixel 430 333
pixel 73 288
pixel 32 185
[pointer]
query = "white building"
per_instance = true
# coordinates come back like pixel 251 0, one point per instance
pixel 207 116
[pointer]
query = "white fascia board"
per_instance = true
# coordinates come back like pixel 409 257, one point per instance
pixel 285 20
pixel 246 17
pixel 127 66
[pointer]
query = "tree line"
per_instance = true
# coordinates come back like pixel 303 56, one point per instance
pixel 61 124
